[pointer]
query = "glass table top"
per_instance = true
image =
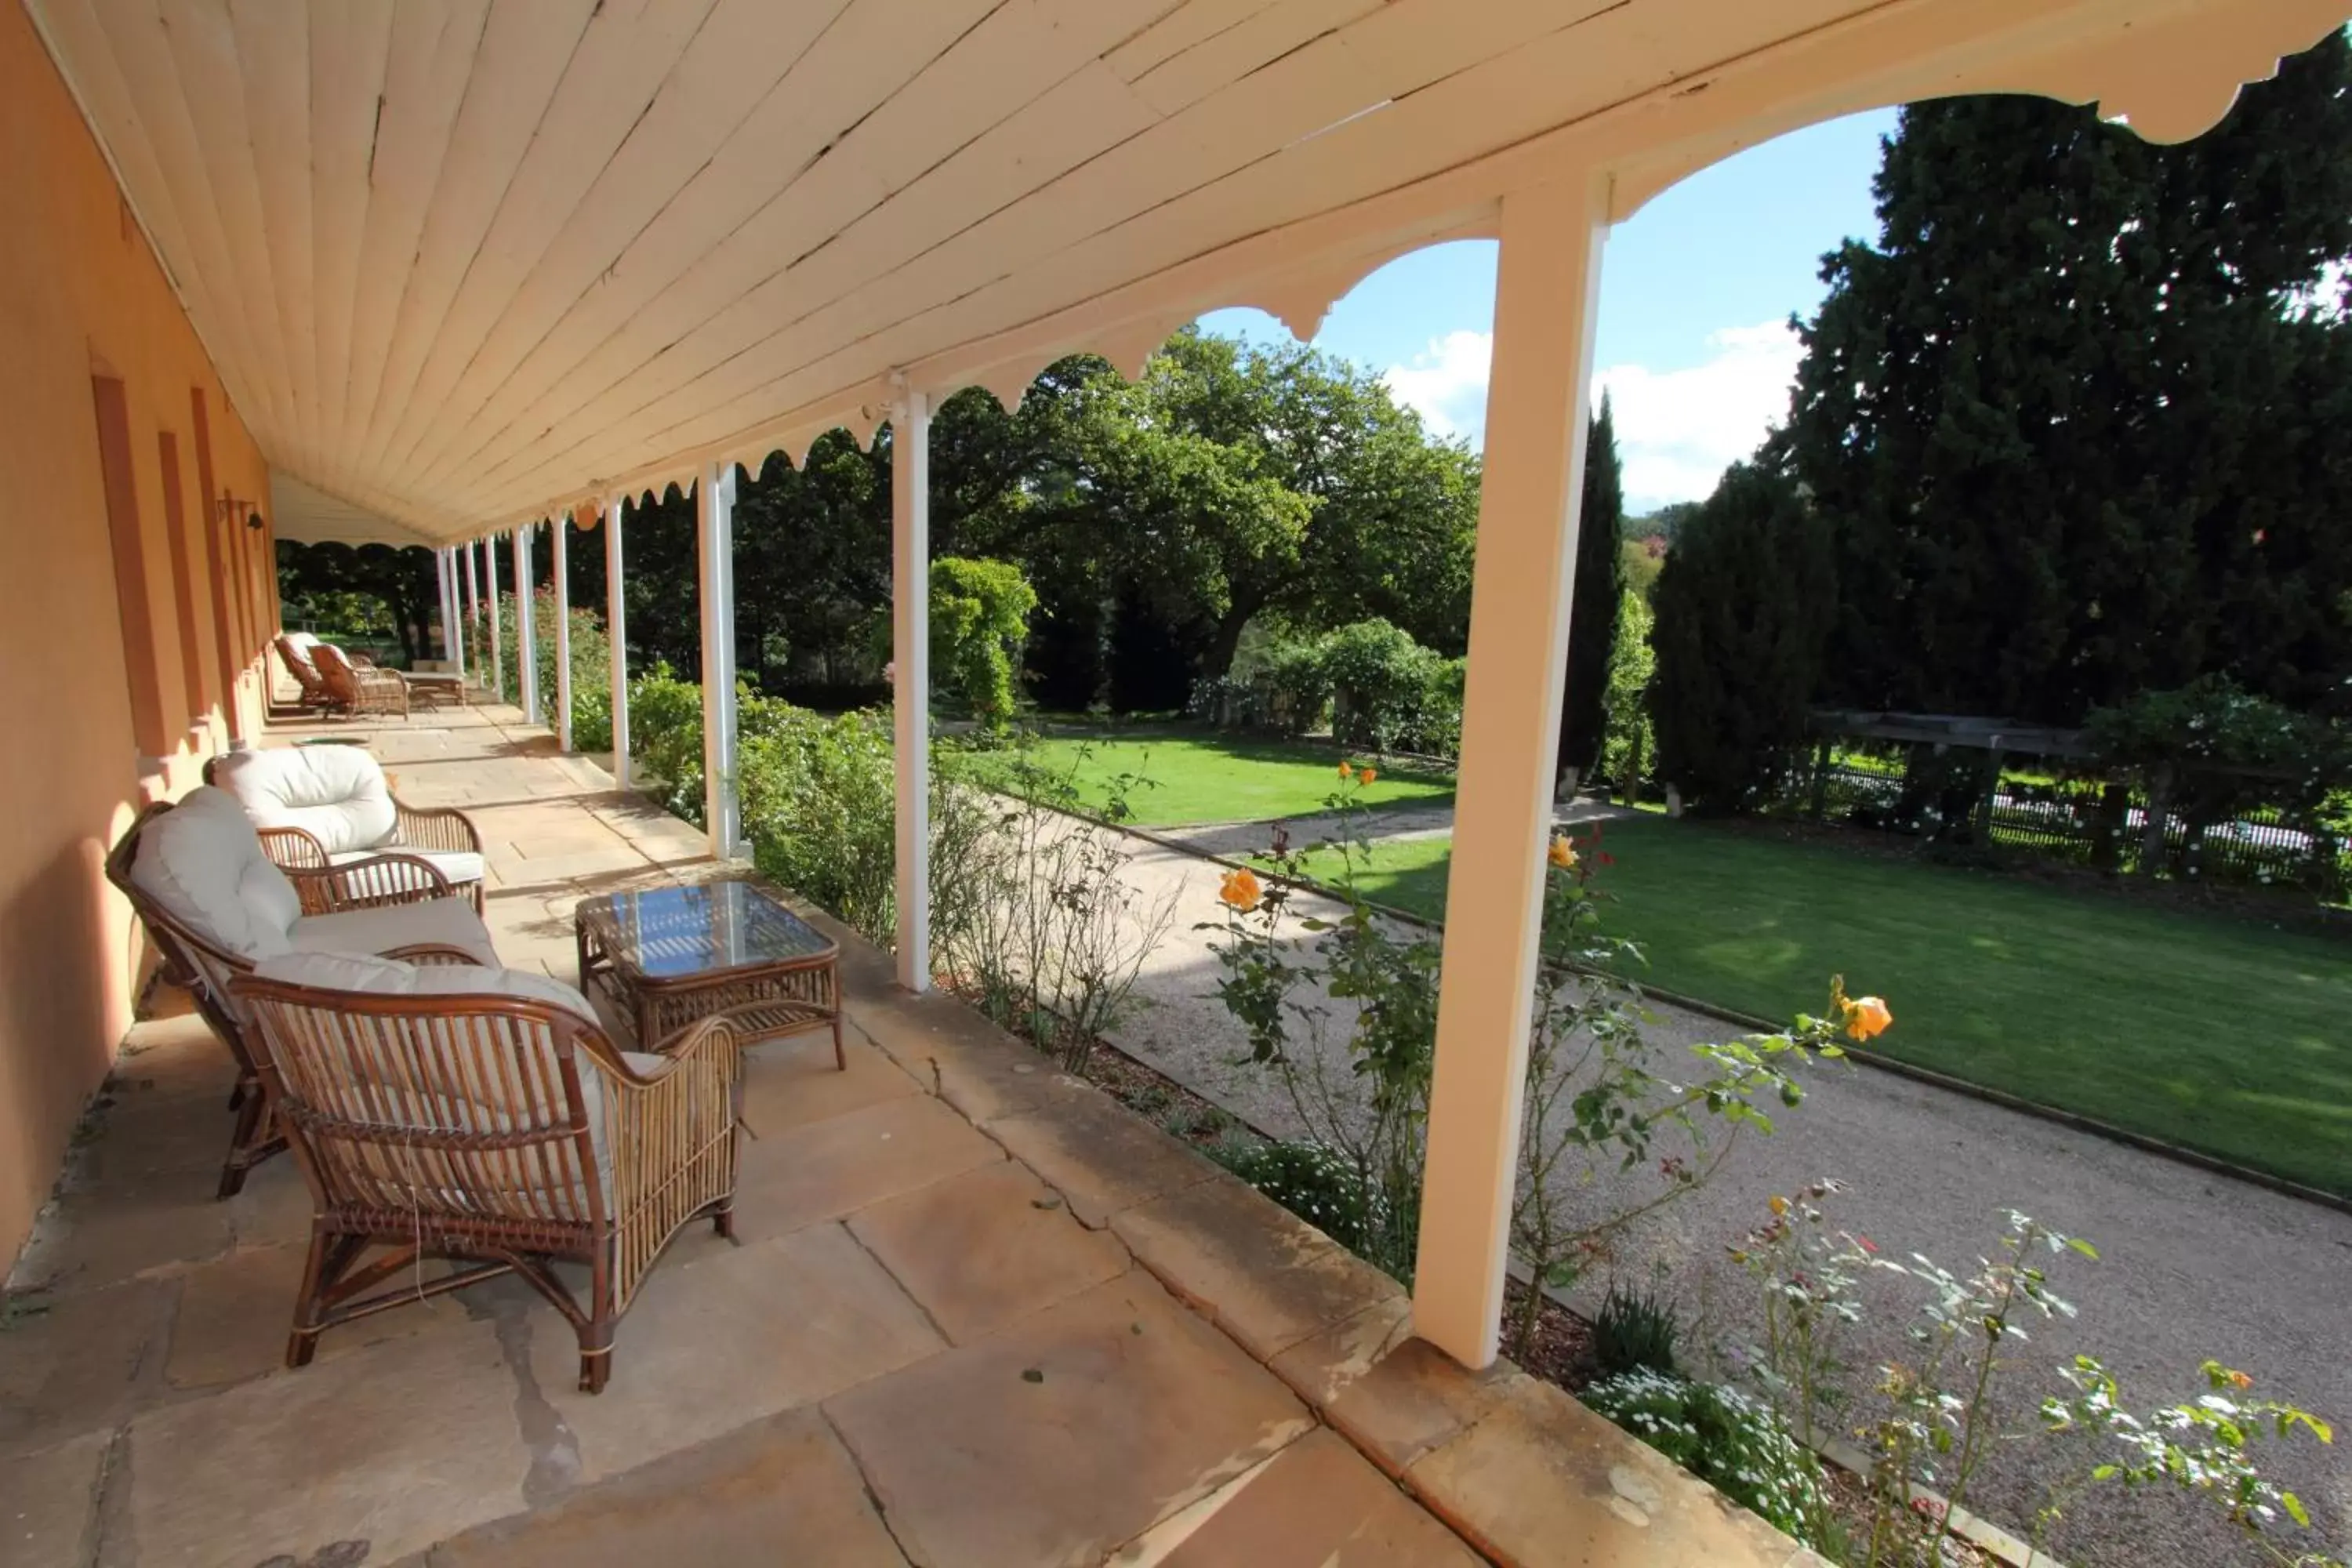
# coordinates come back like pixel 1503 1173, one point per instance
pixel 666 933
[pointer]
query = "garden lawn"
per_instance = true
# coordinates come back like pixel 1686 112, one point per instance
pixel 1198 778
pixel 2224 1034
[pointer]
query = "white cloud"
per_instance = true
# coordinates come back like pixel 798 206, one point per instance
pixel 1676 430
pixel 1446 384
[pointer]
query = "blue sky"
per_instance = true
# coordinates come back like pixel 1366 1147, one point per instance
pixel 1696 293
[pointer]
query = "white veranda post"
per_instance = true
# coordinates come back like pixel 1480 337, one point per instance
pixel 526 634
pixel 911 647
pixel 497 648
pixel 560 563
pixel 456 611
pixel 714 498
pixel 448 620
pixel 1546 289
pixel 617 631
pixel 473 609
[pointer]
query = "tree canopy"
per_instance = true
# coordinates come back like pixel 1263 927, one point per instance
pixel 2077 421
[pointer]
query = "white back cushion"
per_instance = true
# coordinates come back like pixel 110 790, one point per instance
pixel 335 794
pixel 396 977
pixel 201 862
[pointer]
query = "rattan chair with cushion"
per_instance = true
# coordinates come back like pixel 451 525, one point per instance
pixel 356 689
pixel 317 807
pixel 484 1117
pixel 214 905
pixel 294 653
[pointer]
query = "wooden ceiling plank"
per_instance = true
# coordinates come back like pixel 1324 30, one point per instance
pixel 431 62
pixel 351 60
pixel 1184 28
pixel 602 88
pixel 873 51
pixel 737 181
pixel 521 59
pixel 1188 77
pixel 273 49
pixel 203 42
pixel 142 50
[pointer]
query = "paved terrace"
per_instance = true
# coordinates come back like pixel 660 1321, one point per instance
pixel 976 1314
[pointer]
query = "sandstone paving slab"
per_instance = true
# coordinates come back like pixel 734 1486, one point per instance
pixel 49 1501
pixel 1257 1270
pixel 1541 1478
pixel 1318 1505
pixel 790 1083
pixel 101 1238
pixel 778 1491
pixel 1100 1157
pixel 74 1365
pixel 735 1336
pixel 1414 1398
pixel 396 1445
pixel 1065 1436
pixel 236 1312
pixel 986 1248
pixel 1320 1366
pixel 824 1170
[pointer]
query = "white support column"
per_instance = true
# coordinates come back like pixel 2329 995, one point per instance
pixel 498 648
pixel 473 613
pixel 557 530
pixel 617 631
pixel 441 585
pixel 910 645
pixel 1546 289
pixel 456 622
pixel 526 639
pixel 714 506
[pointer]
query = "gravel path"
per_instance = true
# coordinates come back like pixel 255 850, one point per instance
pixel 2192 1265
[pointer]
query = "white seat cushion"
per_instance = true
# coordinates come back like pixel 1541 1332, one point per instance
pixel 335 794
pixel 458 867
pixel 449 922
pixel 203 863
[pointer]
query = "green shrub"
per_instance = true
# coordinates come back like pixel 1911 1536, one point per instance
pixel 1317 1183
pixel 980 621
pixel 591 671
pixel 1634 1331
pixel 666 738
pixel 1737 1445
pixel 820 808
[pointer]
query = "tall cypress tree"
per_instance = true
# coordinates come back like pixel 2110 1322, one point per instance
pixel 1592 613
pixel 2077 420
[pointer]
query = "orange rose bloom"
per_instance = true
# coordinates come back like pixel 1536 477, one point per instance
pixel 1366 776
pixel 1347 771
pixel 1562 854
pixel 1240 891
pixel 1866 1016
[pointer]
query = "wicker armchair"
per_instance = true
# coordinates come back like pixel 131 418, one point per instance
pixel 393 905
pixel 356 689
pixel 482 1116
pixel 331 807
pixel 294 653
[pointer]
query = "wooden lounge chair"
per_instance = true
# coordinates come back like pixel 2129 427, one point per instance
pixel 482 1116
pixel 357 689
pixel 294 653
pixel 316 807
pixel 213 905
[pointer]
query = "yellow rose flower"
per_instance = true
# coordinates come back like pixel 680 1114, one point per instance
pixel 1240 892
pixel 1367 776
pixel 1866 1016
pixel 1779 1204
pixel 1562 854
pixel 1347 770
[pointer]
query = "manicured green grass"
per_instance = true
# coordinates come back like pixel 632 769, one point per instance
pixel 1218 778
pixel 2224 1034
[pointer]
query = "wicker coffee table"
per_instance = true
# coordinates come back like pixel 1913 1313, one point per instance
pixel 669 956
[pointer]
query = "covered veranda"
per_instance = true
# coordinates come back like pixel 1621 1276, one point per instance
pixel 974 1312
pixel 462 271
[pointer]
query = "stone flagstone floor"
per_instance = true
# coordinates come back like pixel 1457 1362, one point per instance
pixel 975 1313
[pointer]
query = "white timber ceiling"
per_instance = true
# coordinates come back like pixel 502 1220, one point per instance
pixel 312 516
pixel 460 263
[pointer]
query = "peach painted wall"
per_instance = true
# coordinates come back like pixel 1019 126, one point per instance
pixel 101 606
